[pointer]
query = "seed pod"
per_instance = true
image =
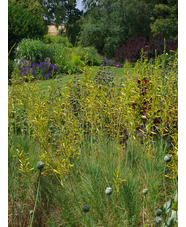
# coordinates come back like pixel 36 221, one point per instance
pixel 144 191
pixel 158 212
pixel 40 165
pixel 167 158
pixel 157 220
pixel 31 212
pixel 85 208
pixel 108 191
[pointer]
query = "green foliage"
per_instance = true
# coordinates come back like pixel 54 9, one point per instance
pixel 165 20
pixel 66 57
pixel 76 61
pixel 168 27
pixel 88 54
pixel 49 39
pixel 11 65
pixel 22 24
pixel 53 10
pixel 33 5
pixel 73 25
pixel 36 50
pixel 61 57
pixel 110 23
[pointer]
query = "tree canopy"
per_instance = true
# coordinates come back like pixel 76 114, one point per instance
pixel 108 24
pixel 22 23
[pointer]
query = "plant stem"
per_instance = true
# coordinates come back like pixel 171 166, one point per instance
pixel 31 223
pixel 164 182
pixel 143 213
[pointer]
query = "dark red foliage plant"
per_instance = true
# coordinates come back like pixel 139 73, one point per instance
pixel 132 50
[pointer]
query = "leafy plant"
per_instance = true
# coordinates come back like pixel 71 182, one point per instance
pixel 35 50
pixel 49 39
pixel 88 55
pixel 132 50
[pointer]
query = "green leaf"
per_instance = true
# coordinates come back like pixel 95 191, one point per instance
pixel 167 206
pixel 170 221
pixel 175 206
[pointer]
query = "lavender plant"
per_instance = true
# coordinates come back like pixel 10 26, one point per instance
pixel 43 70
pixel 107 62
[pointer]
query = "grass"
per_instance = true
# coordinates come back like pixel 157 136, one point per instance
pixel 93 172
pixel 63 79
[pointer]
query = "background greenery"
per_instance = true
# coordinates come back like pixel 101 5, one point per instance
pixel 105 25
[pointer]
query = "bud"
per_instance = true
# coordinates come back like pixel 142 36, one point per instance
pixel 167 158
pixel 144 191
pixel 108 191
pixel 158 212
pixel 85 208
pixel 40 165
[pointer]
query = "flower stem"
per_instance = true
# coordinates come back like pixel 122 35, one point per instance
pixel 143 213
pixel 164 182
pixel 37 194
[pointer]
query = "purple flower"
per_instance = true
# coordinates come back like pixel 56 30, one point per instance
pixel 107 62
pixel 24 71
pixel 45 69
pixel 54 68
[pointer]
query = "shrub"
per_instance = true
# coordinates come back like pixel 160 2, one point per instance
pixel 22 24
pixel 158 44
pixel 69 59
pixel 132 50
pixel 61 57
pixel 35 50
pixel 48 39
pixel 88 54
pixel 76 61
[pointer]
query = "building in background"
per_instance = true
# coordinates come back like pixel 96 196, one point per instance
pixel 53 30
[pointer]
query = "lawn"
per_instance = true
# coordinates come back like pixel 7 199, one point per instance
pixel 64 78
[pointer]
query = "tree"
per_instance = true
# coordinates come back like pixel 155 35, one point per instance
pixel 33 5
pixel 56 10
pixel 165 20
pixel 53 11
pixel 108 24
pixel 22 24
pixel 72 24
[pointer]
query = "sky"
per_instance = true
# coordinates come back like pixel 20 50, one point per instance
pixel 79 5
